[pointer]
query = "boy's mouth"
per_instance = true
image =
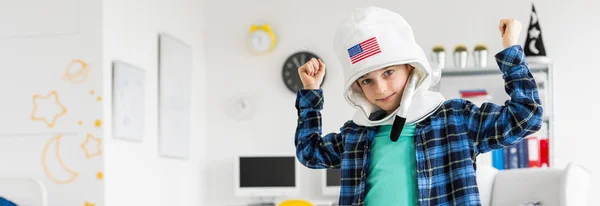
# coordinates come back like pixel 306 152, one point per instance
pixel 386 98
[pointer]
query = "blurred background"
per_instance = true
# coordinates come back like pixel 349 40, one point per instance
pixel 184 102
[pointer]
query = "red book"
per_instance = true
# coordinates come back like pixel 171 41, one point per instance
pixel 473 94
pixel 544 152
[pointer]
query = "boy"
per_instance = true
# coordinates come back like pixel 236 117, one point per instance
pixel 431 159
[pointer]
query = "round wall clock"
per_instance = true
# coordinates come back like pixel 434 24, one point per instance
pixel 289 72
pixel 261 39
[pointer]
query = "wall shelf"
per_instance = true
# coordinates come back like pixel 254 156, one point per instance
pixel 470 71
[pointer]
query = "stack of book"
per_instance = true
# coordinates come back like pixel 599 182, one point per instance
pixel 530 152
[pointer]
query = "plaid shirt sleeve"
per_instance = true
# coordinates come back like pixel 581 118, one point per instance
pixel 312 149
pixel 493 126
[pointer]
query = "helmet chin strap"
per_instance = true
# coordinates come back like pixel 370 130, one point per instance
pixel 407 96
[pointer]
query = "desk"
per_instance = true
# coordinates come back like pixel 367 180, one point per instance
pixel 314 202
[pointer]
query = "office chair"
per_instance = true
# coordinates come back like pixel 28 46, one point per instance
pixel 295 203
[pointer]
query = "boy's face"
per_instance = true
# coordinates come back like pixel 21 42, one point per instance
pixel 384 87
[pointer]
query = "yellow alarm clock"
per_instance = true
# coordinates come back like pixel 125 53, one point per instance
pixel 261 39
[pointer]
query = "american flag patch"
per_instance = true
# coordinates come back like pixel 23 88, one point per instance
pixel 364 50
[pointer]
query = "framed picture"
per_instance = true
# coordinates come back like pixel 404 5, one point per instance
pixel 128 100
pixel 175 71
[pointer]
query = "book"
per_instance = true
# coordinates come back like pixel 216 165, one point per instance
pixel 544 152
pixel 498 159
pixel 523 152
pixel 533 144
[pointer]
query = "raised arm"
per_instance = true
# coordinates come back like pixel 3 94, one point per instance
pixel 493 126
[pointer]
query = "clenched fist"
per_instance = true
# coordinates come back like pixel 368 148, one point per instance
pixel 312 73
pixel 510 30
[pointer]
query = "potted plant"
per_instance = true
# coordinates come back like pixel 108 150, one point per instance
pixel 439 48
pixel 480 53
pixel 460 56
pixel 439 55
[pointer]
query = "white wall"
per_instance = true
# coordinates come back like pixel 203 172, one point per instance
pixel 135 173
pixel 38 41
pixel 568 32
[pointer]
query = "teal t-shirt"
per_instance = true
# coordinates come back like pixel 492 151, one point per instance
pixel 392 174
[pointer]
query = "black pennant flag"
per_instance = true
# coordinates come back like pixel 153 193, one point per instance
pixel 534 45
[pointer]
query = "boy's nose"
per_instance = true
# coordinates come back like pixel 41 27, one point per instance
pixel 381 87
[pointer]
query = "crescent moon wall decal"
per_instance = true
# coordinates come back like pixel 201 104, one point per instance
pixel 532 47
pixel 534 18
pixel 68 174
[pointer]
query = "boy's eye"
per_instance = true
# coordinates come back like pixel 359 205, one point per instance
pixel 365 81
pixel 389 72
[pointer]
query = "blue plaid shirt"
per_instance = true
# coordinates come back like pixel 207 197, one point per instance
pixel 446 143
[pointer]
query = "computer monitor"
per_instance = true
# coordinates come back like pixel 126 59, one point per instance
pixel 266 175
pixel 331 182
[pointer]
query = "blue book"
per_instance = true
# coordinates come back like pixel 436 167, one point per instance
pixel 523 153
pixel 513 157
pixel 506 153
pixel 498 159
